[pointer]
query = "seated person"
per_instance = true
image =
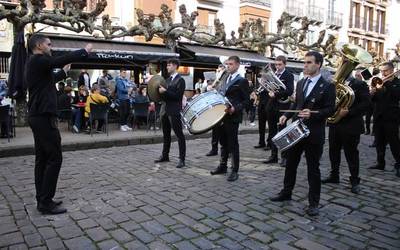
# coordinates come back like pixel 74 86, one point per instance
pixel 3 95
pixel 141 114
pixel 77 112
pixel 96 98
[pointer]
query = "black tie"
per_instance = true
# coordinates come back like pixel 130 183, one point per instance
pixel 305 89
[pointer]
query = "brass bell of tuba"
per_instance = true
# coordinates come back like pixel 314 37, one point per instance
pixel 352 55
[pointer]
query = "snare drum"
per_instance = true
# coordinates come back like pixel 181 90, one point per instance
pixel 291 135
pixel 204 112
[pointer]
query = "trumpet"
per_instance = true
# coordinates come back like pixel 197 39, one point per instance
pixel 269 82
pixel 377 82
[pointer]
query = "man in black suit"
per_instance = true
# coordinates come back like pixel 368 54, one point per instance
pixel 312 93
pixel 171 112
pixel 346 134
pixel 42 108
pixel 236 89
pixel 386 98
pixel 262 120
pixel 278 101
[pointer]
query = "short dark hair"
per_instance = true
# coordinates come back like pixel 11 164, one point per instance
pixel 389 64
pixel 173 61
pixel 234 58
pixel 318 57
pixel 35 40
pixel 122 69
pixel 281 59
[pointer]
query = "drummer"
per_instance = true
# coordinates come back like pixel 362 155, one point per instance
pixel 316 93
pixel 170 112
pixel 236 89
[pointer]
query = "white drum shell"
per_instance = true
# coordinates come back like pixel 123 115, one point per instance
pixel 291 135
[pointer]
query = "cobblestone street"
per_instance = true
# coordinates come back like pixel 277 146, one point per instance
pixel 117 198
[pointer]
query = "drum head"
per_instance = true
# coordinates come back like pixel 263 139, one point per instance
pixel 152 87
pixel 208 119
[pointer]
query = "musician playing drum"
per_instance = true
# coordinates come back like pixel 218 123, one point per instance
pixel 312 93
pixel 236 89
pixel 171 112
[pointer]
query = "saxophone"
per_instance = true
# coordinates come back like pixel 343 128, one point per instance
pixel 352 55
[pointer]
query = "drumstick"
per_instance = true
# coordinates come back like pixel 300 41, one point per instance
pixel 296 111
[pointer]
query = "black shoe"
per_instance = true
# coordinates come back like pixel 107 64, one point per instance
pixel 282 197
pixel 356 189
pixel 379 167
pixel 283 163
pixel 260 146
pixel 162 159
pixel 233 176
pixel 218 170
pixel 397 172
pixel 373 145
pixel 212 153
pixel 272 159
pixel 312 211
pixel 52 203
pixel 331 179
pixel 367 132
pixel 268 147
pixel 181 164
pixel 51 209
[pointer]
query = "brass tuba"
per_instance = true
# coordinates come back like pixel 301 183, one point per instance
pixel 269 82
pixel 352 55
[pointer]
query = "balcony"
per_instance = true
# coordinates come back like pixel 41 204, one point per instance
pixel 264 3
pixel 315 14
pixel 381 29
pixel 294 9
pixel 334 21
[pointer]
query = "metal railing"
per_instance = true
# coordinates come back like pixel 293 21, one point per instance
pixel 293 7
pixel 336 19
pixel 266 3
pixel 315 13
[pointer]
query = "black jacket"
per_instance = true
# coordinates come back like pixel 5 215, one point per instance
pixel 386 100
pixel 280 101
pixel 173 96
pixel 238 95
pixel 81 79
pixel 353 122
pixel 41 80
pixel 321 99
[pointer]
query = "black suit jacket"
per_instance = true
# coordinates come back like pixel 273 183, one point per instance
pixel 276 103
pixel 386 100
pixel 173 96
pixel 238 95
pixel 353 122
pixel 41 80
pixel 321 99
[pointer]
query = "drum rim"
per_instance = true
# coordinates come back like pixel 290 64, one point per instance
pixel 208 129
pixel 195 100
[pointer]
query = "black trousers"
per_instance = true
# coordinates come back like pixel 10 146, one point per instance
pixel 338 140
pixel 368 116
pixel 273 128
pixel 48 156
pixel 124 107
pixel 387 132
pixel 262 121
pixel 228 132
pixel 313 153
pixel 214 139
pixel 174 122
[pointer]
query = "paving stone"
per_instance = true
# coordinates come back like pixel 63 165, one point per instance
pixel 11 239
pixel 97 234
pixel 143 236
pixel 18 247
pixel 70 231
pixel 281 245
pixel 154 227
pixel 109 244
pixel 265 238
pixel 308 244
pixel 87 223
pixel 229 244
pixel 135 245
pixel 33 240
pixel 186 233
pixel 238 226
pixel 79 243
pixel 121 236
pixel 185 245
pixel 171 237
pixel 165 220
pixel 254 245
pixel 47 232
pixel 55 243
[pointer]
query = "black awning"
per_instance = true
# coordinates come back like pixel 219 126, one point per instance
pixel 210 55
pixel 111 53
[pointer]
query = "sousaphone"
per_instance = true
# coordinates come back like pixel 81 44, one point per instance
pixel 152 87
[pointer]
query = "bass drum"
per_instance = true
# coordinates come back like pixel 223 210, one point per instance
pixel 204 112
pixel 289 136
